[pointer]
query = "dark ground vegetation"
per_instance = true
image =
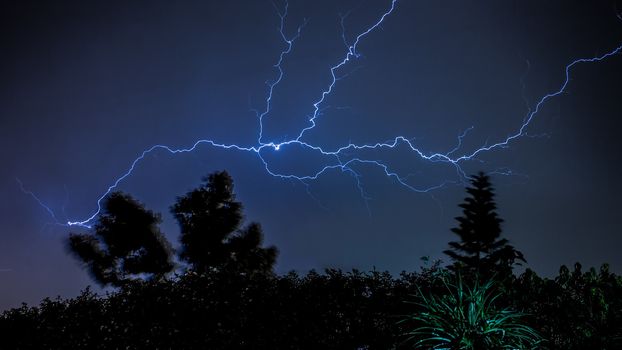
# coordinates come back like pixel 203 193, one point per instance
pixel 222 292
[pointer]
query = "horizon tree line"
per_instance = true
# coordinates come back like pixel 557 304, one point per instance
pixel 229 286
pixel 126 242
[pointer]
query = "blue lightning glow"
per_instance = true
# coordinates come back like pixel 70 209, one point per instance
pixel 34 196
pixel 337 159
pixel 278 66
pixel 352 53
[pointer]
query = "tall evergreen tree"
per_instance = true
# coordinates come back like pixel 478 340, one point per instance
pixel 126 243
pixel 480 250
pixel 212 237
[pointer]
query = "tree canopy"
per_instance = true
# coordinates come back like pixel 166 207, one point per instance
pixel 126 242
pixel 212 236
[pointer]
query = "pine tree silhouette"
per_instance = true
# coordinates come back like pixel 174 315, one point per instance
pixel 481 251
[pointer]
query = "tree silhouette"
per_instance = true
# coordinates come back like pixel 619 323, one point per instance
pixel 126 243
pixel 480 250
pixel 211 235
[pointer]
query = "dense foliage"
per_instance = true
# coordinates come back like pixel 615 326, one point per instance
pixel 332 310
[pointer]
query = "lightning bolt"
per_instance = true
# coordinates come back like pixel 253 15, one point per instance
pixel 39 201
pixel 340 158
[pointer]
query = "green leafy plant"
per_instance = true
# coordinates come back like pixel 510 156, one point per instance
pixel 466 318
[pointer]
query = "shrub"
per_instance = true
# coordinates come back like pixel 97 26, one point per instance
pixel 466 318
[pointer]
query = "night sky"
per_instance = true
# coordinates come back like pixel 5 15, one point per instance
pixel 86 86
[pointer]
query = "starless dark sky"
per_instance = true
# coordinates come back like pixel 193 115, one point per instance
pixel 87 86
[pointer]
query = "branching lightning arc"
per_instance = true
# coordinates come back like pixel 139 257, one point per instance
pixel 338 158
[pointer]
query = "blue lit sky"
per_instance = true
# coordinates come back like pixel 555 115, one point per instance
pixel 87 87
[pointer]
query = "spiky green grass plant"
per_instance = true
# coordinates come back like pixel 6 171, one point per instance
pixel 466 318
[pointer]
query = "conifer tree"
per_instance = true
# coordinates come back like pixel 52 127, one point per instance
pixel 480 250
